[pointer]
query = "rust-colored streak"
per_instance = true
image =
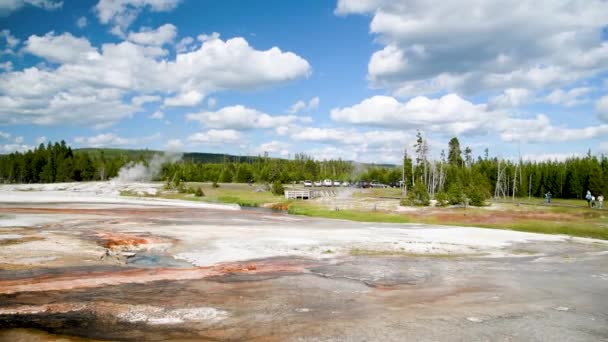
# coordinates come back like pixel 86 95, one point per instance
pixel 117 240
pixel 80 280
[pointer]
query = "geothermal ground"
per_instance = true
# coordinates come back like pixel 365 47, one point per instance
pixel 80 262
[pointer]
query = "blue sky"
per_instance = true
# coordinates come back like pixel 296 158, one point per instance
pixel 347 79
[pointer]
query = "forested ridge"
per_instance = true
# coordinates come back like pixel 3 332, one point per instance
pixel 455 171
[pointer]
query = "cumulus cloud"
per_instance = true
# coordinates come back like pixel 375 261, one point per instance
pixel 215 136
pixel 473 46
pixel 9 6
pixel 273 147
pixel 142 99
pixel 89 85
pixel 113 139
pixel 5 135
pixel 569 98
pixel 449 114
pixel 10 42
pixel 512 97
pixel 121 13
pixel 186 99
pixel 351 137
pixel 10 148
pixel 158 37
pixel 184 45
pixel 301 105
pixel 242 118
pixel 64 48
pixel 104 139
pixel 541 130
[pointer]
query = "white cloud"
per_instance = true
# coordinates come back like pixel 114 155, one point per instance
pixel 158 115
pixel 550 156
pixel 473 46
pixel 273 147
pixel 158 37
pixel 449 114
pixel 9 6
pixel 184 45
pixel 40 140
pixel 351 137
pixel 569 98
pixel 10 148
pixel 121 13
pixel 81 22
pixel 6 66
pixel 541 130
pixel 216 136
pixel 63 48
pixel 142 99
pixel 10 44
pixel 91 86
pixel 104 139
pixel 601 107
pixel 5 135
pixel 19 140
pixel 211 102
pixel 512 97
pixel 242 118
pixel 187 99
pixel 300 105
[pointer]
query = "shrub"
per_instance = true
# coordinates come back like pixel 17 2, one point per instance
pixel 215 185
pixel 455 194
pixel 418 196
pixel 277 188
pixel 442 199
pixel 199 192
pixel 477 196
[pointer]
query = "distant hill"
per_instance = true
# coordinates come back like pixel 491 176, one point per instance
pixel 199 157
pixel 117 152
pixel 146 154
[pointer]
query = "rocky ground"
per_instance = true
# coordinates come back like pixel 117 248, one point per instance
pixel 83 263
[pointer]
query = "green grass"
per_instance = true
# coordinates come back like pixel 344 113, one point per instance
pixel 241 194
pixel 555 201
pixel 580 229
pixel 375 252
pixel 306 209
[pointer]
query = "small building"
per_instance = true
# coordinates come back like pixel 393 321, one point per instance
pixel 300 194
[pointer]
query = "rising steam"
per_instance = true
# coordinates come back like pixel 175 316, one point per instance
pixel 140 172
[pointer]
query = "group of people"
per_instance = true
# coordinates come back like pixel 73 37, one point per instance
pixel 592 200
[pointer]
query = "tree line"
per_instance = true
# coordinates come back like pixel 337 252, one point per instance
pixel 456 172
pixel 57 162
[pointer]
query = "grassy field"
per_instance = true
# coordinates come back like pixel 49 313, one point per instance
pixel 569 217
pixel 311 209
pixel 241 194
